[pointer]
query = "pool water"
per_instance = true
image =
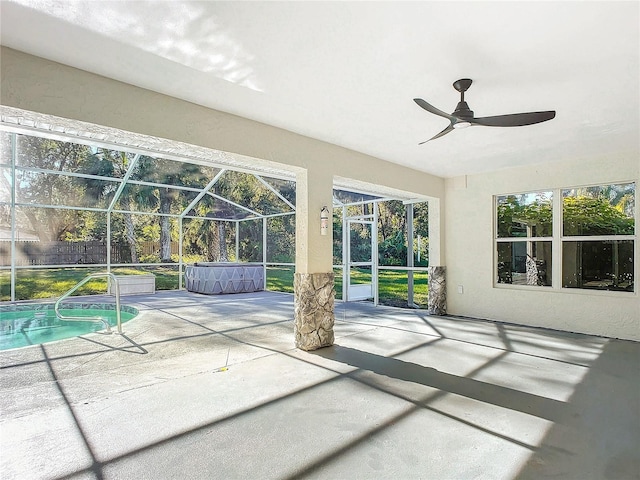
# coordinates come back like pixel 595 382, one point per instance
pixel 23 325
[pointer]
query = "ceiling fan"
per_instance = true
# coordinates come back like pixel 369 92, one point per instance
pixel 463 117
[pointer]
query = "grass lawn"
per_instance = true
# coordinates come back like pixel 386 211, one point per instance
pixel 392 284
pixel 34 284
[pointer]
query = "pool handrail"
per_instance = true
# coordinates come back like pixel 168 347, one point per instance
pixel 111 276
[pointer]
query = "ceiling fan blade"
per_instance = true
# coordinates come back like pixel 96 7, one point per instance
pixel 432 109
pixel 443 132
pixel 514 119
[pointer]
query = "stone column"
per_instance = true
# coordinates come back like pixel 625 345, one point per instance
pixel 313 281
pixel 314 310
pixel 437 302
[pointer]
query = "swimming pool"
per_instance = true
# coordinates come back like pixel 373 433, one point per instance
pixel 33 324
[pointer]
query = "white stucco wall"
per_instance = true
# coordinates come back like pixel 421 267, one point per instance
pixel 469 255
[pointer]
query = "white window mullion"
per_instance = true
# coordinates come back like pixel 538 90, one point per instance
pixel 556 245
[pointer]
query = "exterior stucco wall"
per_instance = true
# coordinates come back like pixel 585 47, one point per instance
pixel 469 256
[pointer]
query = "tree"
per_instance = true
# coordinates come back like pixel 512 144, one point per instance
pixel 167 174
pixel 33 187
pixel 585 215
pixel 516 213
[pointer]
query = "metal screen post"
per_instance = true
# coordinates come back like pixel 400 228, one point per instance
pixel 410 263
pixel 264 250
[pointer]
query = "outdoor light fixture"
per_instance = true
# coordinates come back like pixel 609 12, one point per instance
pixel 324 221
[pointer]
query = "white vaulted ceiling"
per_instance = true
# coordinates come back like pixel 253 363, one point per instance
pixel 347 72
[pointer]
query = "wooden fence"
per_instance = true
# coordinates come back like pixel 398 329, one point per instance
pixel 74 253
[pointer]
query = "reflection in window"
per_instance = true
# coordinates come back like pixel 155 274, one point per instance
pixel 600 210
pixel 524 263
pixel 600 265
pixel 525 215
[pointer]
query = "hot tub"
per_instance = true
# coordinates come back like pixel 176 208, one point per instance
pixel 214 278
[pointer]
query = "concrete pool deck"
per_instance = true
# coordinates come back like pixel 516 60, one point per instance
pixel 203 387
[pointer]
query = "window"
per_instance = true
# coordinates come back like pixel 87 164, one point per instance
pixel 524 238
pixel 593 237
pixel 598 237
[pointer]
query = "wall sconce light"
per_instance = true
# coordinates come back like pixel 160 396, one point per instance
pixel 324 221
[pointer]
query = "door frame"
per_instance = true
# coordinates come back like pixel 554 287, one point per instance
pixel 357 292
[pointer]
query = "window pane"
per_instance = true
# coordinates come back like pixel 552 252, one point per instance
pixel 601 265
pixel 525 215
pixel 524 263
pixel 601 210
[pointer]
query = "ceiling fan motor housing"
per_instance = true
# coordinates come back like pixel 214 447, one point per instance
pixel 463 111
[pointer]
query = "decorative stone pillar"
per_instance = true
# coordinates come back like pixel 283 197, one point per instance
pixel 437 301
pixel 314 310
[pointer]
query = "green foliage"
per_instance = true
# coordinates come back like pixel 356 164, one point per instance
pixel 139 235
pixel 594 216
pixel 151 258
pixel 593 213
pixel 250 241
pixel 281 239
pixel 393 250
pixel 515 216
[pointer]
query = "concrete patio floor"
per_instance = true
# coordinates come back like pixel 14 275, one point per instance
pixel 203 387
